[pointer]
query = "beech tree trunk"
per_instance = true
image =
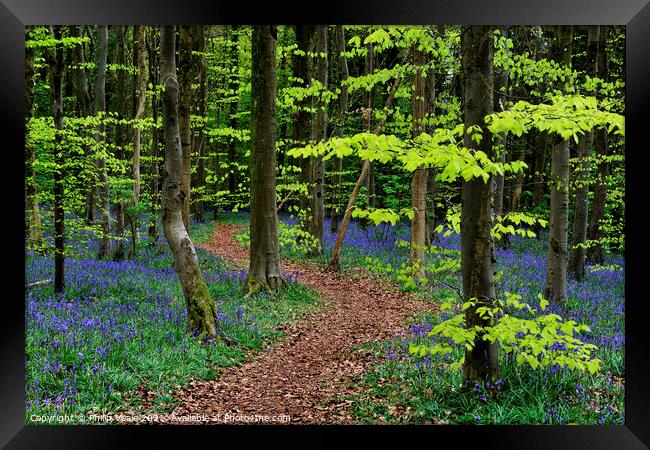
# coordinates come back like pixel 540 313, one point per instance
pixel 141 94
pixel 419 180
pixel 201 310
pixel 477 249
pixel 198 39
pixel 34 232
pixel 539 168
pixel 265 270
pixel 232 117
pixel 595 252
pixel 317 199
pixel 155 133
pixel 102 191
pixel 184 111
pixel 55 62
pixel 430 108
pixel 120 136
pixel 343 108
pixel 581 209
pixel 556 269
pixel 302 127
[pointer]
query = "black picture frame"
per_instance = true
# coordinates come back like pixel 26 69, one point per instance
pixel 635 14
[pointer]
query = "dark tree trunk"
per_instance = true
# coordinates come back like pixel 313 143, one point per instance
pixel 539 168
pixel 201 310
pixel 556 269
pixel 581 209
pixel 343 108
pixel 501 80
pixel 120 137
pixel 198 139
pixel 302 134
pixel 595 253
pixel 317 204
pixel 232 115
pixel 419 180
pixel 184 111
pixel 56 74
pixel 102 192
pixel 477 250
pixel 34 233
pixel 265 270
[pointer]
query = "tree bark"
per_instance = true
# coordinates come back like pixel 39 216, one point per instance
pixel 102 192
pixel 317 200
pixel 477 249
pixel 184 111
pixel 55 60
pixel 201 310
pixel 265 270
pixel 233 83
pixel 155 133
pixel 343 107
pixel 595 252
pixel 581 209
pixel 142 80
pixel 198 39
pixel 120 136
pixel 34 232
pixel 419 180
pixel 556 268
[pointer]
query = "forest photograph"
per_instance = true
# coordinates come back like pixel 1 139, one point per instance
pixel 325 224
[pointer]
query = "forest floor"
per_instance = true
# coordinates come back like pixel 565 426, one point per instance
pixel 308 374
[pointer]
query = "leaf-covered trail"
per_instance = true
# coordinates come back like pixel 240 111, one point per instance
pixel 306 374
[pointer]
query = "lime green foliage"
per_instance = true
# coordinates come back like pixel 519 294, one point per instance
pixel 293 239
pixel 541 340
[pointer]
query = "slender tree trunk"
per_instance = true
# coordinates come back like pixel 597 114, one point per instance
pixel 184 111
pixel 198 139
pixel 316 224
pixel 142 81
pixel 365 168
pixel 556 269
pixel 302 69
pixel 343 108
pixel 80 81
pixel 419 180
pixel 55 60
pixel 595 252
pixel 233 83
pixel 430 107
pixel 120 136
pixel 501 79
pixel 102 193
pixel 34 233
pixel 201 310
pixel 581 209
pixel 155 133
pixel 264 270
pixel 477 249
pixel 369 104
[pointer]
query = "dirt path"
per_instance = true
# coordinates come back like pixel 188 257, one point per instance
pixel 304 375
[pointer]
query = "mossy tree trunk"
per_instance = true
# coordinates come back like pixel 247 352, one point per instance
pixel 477 248
pixel 556 266
pixel 264 271
pixel 201 310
